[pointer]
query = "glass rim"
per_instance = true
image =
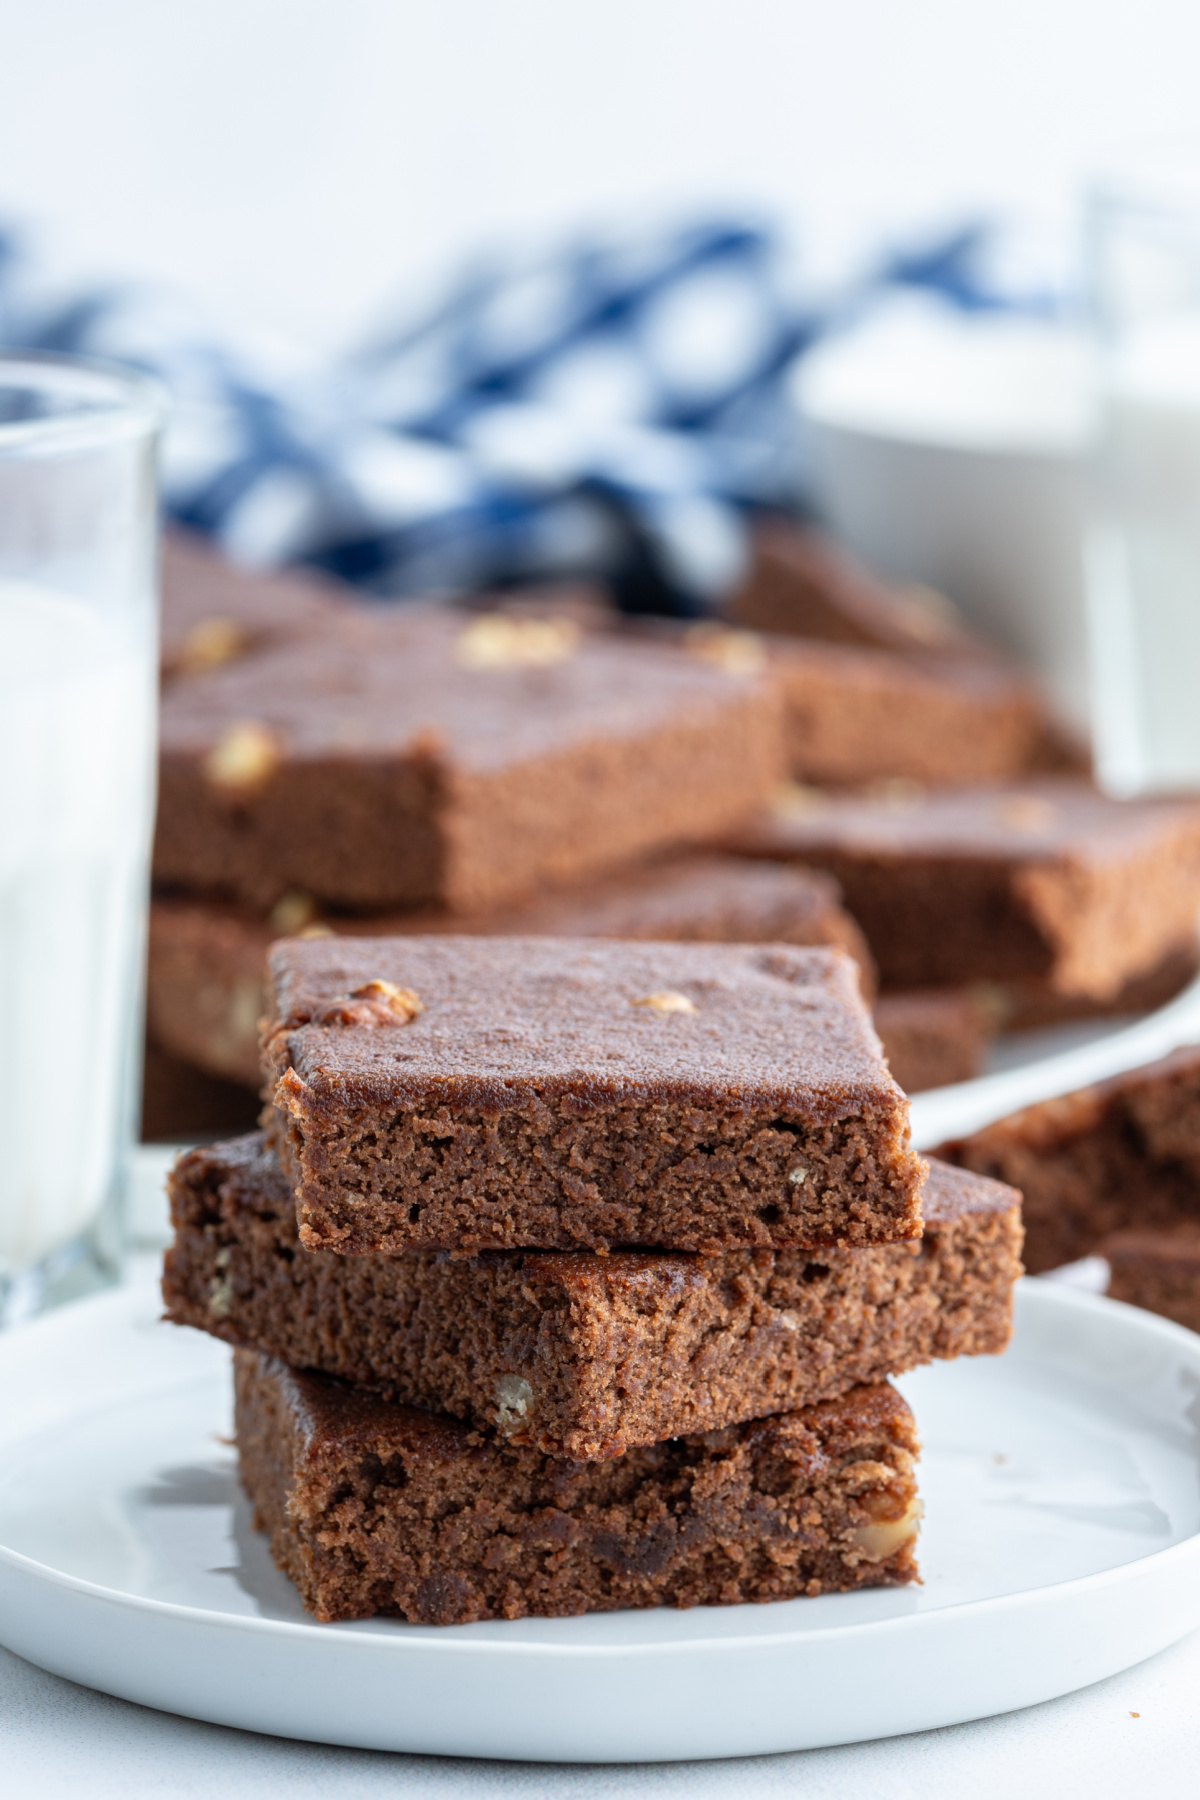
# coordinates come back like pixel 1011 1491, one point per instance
pixel 125 402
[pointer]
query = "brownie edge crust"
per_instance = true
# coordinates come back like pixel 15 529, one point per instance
pixel 466 1094
pixel 375 1508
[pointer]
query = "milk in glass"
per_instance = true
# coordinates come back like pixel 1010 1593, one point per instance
pixel 1144 561
pixel 76 721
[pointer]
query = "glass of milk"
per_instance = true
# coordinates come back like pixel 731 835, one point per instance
pixel 78 680
pixel 1143 540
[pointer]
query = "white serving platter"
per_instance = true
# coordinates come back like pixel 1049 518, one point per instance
pixel 1061 1543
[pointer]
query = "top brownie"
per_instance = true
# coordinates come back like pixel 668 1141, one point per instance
pixel 1045 878
pixel 376 759
pixel 470 1094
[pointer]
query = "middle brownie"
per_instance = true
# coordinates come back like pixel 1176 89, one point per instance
pixel 581 1355
pixel 454 1093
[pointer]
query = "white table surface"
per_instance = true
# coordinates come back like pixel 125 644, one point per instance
pixel 59 1739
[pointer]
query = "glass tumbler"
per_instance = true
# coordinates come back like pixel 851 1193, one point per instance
pixel 1143 539
pixel 78 684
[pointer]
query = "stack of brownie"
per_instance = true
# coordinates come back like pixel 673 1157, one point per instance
pixel 995 887
pixel 327 767
pixel 568 1275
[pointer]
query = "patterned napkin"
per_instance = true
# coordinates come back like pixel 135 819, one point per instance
pixel 614 408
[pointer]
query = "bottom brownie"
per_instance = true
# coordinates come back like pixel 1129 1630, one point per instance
pixel 377 1508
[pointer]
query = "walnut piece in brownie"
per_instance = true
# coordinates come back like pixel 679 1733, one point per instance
pixel 583 1355
pixel 1122 1155
pixel 204 989
pixel 376 1508
pixel 582 1093
pixel 1043 878
pixel 408 757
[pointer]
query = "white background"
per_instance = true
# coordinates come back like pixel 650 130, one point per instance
pixel 297 162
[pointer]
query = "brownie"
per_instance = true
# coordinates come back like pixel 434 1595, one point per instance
pixel 799 584
pixel 1121 1155
pixel 583 1355
pixel 413 756
pixel 535 1093
pixel 372 1507
pixel 1030 1005
pixel 181 1103
pixel 214 612
pixel 1044 879
pixel 1159 1270
pixel 702 899
pixel 205 970
pixel 854 716
pixel 933 1036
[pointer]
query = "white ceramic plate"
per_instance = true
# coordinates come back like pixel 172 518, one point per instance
pixel 1061 1544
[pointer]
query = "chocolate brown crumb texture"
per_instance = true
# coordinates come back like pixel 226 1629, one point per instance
pixel 853 715
pixel 581 1093
pixel 206 962
pixel 413 757
pixel 1157 1270
pixel 1043 879
pixel 374 1508
pixel 582 1355
pixel 1122 1155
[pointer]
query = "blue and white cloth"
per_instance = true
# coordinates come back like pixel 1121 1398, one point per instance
pixel 614 409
